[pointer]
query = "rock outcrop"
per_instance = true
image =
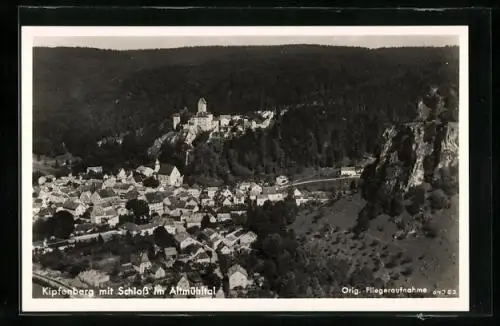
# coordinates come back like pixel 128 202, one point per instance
pixel 421 154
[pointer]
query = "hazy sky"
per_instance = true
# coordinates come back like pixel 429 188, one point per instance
pixel 152 42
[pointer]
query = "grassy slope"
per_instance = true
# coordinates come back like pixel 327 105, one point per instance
pixel 438 263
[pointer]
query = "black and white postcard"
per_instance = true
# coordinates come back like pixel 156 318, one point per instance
pixel 245 168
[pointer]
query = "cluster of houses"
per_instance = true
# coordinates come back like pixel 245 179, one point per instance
pixel 102 201
pixel 206 249
pixel 98 202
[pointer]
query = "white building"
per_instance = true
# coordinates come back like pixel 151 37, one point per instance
pixel 238 277
pixel 348 171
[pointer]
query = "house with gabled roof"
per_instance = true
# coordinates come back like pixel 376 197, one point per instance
pixel 193 250
pixel 103 195
pixel 223 249
pixel 97 214
pixel 247 239
pixel 194 219
pixel 183 284
pixel 94 169
pixel 170 252
pixel 215 241
pixel 141 263
pixel 208 234
pixel 122 188
pixel 132 194
pixel 170 225
pixel 75 208
pixel 83 228
pixel 261 200
pixel 244 186
pixel 183 239
pixel 157 271
pixel 121 174
pixel 226 202
pixel 211 191
pixel 100 214
pixel 238 277
pixel 195 278
pixel 254 190
pixel 206 201
pixel 109 182
pixel 202 258
pixel 129 227
pixel 194 191
pixel 169 175
pixel 221 217
pixel 146 171
pixel 155 202
pixel 239 197
pixel 230 240
pixel 220 294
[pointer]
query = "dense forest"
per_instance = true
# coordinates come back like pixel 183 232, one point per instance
pixel 339 100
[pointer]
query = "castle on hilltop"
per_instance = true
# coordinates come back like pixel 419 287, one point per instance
pixel 202 120
pixel 225 125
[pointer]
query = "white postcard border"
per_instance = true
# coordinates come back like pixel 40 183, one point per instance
pixel 30 304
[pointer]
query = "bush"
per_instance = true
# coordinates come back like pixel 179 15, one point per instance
pixel 439 199
pixel 407 271
pixel 417 196
pixel 429 230
pixel 151 182
pixel 448 180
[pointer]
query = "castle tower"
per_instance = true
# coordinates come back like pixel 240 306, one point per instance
pixel 177 120
pixel 202 105
pixel 157 165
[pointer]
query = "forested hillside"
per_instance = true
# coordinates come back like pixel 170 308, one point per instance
pixel 339 99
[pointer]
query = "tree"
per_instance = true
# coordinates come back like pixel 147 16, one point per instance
pixel 288 285
pixel 397 206
pixel 439 199
pixel 37 175
pixel 139 208
pixel 116 270
pixel 417 197
pixel 205 222
pixel 130 218
pixel 62 224
pixel 137 280
pixel 162 238
pixel 194 231
pixel 151 182
pixel 272 245
pixel 353 187
pixel 269 269
pixel 129 239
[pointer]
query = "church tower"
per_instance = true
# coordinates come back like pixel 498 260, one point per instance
pixel 202 105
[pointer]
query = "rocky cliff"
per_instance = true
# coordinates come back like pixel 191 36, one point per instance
pixel 412 154
pixel 415 157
